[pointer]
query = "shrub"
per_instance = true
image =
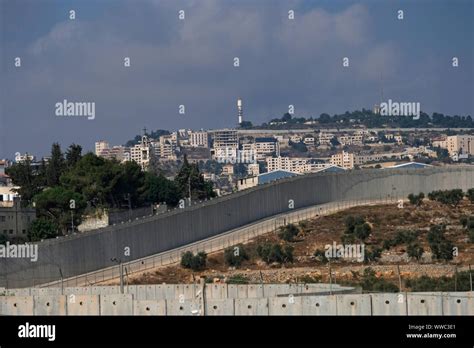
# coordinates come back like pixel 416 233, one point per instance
pixel 416 200
pixel 237 279
pixel 470 195
pixel 372 255
pixel 275 253
pixel 357 228
pixel 447 197
pixel 235 255
pixel 370 282
pixel 320 256
pixel 288 232
pixel 441 248
pixel 444 283
pixel 415 250
pixel 195 262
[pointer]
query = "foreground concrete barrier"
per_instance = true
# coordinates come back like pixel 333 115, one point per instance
pixel 389 304
pixel 83 304
pixel 116 304
pixel 149 307
pixel 353 305
pixel 190 301
pixel 50 305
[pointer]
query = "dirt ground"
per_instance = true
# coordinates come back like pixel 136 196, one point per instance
pixel 385 220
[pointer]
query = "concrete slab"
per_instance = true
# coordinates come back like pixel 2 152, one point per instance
pixel 425 304
pixel 83 304
pixel 389 304
pixel 353 304
pixel 216 291
pixel 319 305
pixel 254 291
pixel 149 307
pixel 288 305
pixel 177 308
pixel 116 304
pixel 50 305
pixel 458 303
pixel 18 305
pixel 251 306
pixel 220 307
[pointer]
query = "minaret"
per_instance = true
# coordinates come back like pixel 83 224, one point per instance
pixel 239 110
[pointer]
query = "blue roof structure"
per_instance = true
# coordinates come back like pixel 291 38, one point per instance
pixel 331 169
pixel 411 165
pixel 275 175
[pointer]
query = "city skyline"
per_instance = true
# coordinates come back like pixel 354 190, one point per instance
pixel 190 62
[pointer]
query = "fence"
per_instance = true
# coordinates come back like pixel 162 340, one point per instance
pixel 218 243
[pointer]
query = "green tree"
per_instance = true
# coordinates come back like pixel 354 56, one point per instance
pixel 23 176
pixel 470 195
pixel 415 250
pixel 73 155
pixel 188 178
pixel 441 248
pixel 54 204
pixel 42 228
pixel 416 200
pixel 55 166
pixel 235 255
pixel 195 262
pixel 288 232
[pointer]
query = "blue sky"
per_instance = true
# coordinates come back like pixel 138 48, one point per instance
pixel 190 62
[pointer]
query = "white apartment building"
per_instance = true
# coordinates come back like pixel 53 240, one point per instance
pixel 457 144
pixel 225 145
pixel 265 147
pixel 199 139
pixel 344 159
pixel 141 153
pixel 253 169
pixel 325 138
pixel 295 165
pixel 21 158
pixel 356 139
pixel 100 146
pixel 309 140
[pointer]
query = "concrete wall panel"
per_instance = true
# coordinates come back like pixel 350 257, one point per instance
pixel 353 304
pixel 116 304
pixel 220 307
pixel 319 305
pixel 288 305
pixel 251 306
pixel 149 307
pixel 424 304
pixel 50 305
pixel 83 304
pixel 389 304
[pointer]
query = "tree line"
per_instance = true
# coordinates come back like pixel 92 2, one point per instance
pixel 69 185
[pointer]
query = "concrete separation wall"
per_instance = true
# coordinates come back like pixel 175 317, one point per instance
pixel 458 303
pixel 83 253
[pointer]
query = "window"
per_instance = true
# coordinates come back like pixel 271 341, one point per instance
pixel 11 231
pixel 2 218
pixel 23 231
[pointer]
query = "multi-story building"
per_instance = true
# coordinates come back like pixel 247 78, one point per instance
pixel 265 147
pixel 199 139
pixel 142 152
pixel 15 220
pixel 325 138
pixel 356 139
pixel 225 145
pixel 100 146
pixel 309 140
pixel 119 153
pixel 458 144
pixel 253 169
pixel 344 159
pixel 295 165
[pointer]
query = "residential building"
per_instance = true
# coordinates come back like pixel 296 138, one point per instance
pixel 199 139
pixel 15 220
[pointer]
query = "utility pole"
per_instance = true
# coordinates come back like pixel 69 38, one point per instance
pixel 119 262
pixel 72 221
